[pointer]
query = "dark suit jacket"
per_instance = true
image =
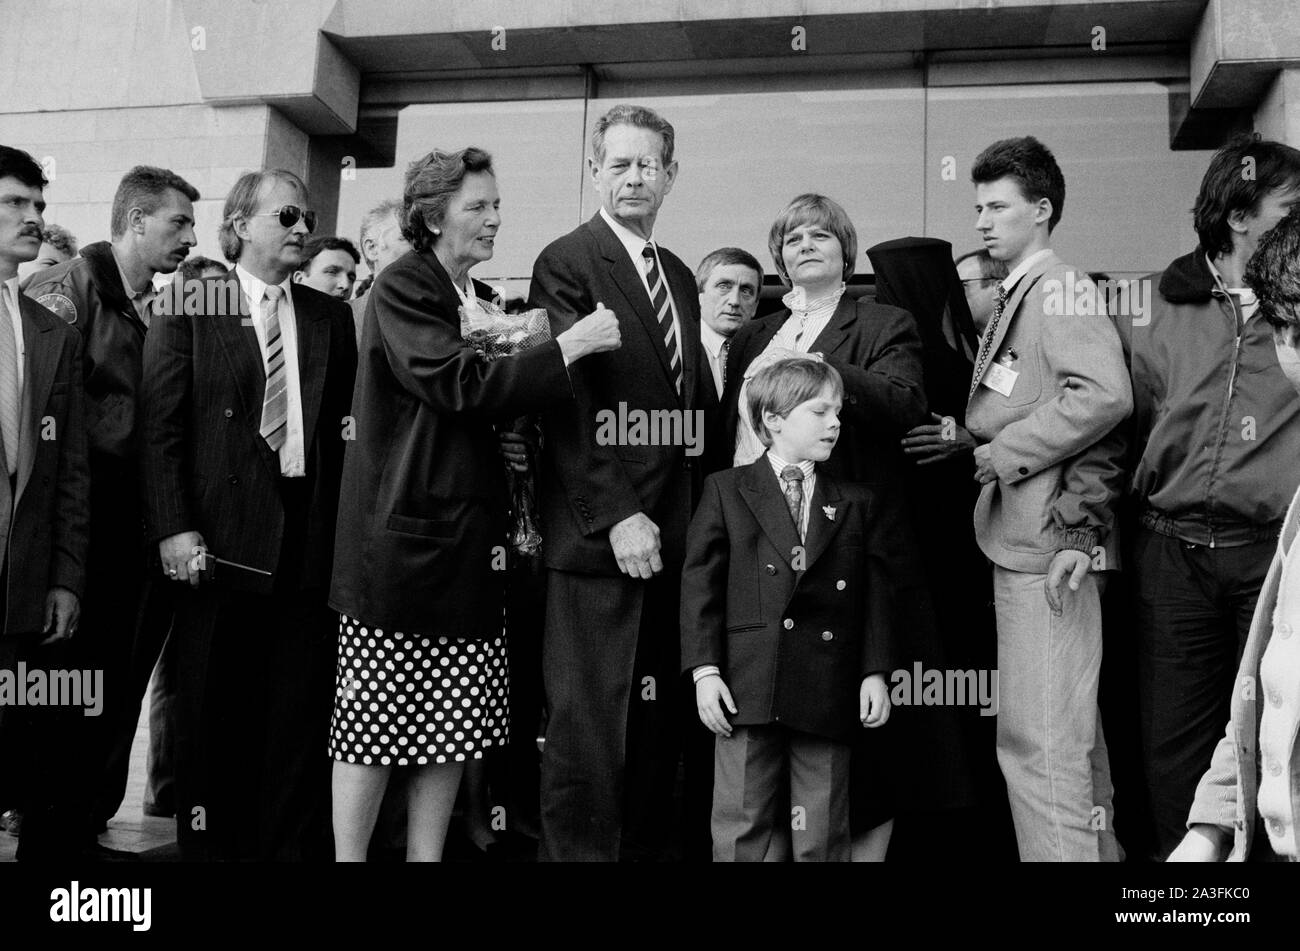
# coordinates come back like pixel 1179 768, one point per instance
pixel 877 351
pixel 424 500
pixel 207 468
pixel 793 645
pixel 585 487
pixel 44 526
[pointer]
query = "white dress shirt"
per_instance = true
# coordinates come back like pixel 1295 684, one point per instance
pixel 293 454
pixel 1011 280
pixel 633 243
pixel 713 342
pixel 9 291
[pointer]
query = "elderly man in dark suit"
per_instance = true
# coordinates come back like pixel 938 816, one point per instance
pixel 245 416
pixel 615 510
pixel 44 515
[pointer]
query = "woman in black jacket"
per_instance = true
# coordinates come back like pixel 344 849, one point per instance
pixel 422 674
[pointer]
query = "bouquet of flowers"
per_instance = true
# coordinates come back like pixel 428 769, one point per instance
pixel 494 334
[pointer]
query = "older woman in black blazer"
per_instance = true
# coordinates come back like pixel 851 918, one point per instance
pixel 422 675
pixel 877 351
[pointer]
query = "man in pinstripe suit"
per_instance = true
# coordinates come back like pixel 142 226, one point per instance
pixel 244 418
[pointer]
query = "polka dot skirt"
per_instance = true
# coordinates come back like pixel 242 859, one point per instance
pixel 410 700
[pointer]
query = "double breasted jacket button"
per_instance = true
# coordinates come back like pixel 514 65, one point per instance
pixel 230 414
pixel 1024 471
pixel 841 585
pixel 233 479
pixel 770 569
pixel 827 636
pixel 787 624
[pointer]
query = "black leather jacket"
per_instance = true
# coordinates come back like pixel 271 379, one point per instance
pixel 87 292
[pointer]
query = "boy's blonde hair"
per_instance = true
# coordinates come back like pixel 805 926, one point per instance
pixel 781 386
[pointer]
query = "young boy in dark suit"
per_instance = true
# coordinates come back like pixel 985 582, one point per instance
pixel 785 625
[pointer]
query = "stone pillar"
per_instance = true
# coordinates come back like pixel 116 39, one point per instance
pixel 1278 114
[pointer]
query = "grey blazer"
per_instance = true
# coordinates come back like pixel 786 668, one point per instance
pixel 1058 467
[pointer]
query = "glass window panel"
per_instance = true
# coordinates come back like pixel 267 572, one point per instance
pixel 1128 196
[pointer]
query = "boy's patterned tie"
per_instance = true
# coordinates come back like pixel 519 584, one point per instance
pixel 275 405
pixel 989 333
pixel 663 312
pixel 792 483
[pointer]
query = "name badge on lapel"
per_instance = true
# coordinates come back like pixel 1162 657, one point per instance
pixel 1001 378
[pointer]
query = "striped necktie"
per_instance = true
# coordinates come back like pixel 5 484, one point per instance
pixel 663 312
pixel 989 332
pixel 11 397
pixel 275 405
pixel 722 358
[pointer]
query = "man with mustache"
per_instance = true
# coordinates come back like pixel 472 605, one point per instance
pixel 245 413
pixel 106 294
pixel 43 518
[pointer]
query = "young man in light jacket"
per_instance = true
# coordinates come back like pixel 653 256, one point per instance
pixel 1246 803
pixel 1049 386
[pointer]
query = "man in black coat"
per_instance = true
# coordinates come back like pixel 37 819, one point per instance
pixel 44 511
pixel 616 501
pixel 107 294
pixel 245 414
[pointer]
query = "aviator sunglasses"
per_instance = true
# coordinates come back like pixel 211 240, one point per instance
pixel 289 215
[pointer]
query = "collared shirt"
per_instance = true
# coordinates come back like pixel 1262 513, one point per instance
pixel 9 291
pixel 713 342
pixel 633 244
pixel 798 333
pixel 1279 676
pixel 1246 299
pixel 293 454
pixel 1011 280
pixel 141 300
pixel 809 482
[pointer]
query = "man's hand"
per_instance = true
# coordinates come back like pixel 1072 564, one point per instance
pixel 595 333
pixel 710 694
pixel 1203 843
pixel 514 448
pixel 873 701
pixel 635 541
pixel 62 612
pixel 934 442
pixel 1068 561
pixel 984 471
pixel 177 553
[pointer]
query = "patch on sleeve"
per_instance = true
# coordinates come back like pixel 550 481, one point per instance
pixel 60 305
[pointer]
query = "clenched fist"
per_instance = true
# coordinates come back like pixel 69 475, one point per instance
pixel 595 333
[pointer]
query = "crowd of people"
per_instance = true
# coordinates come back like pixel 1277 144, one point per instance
pixel 293 503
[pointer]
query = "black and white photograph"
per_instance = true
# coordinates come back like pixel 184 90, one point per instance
pixel 505 433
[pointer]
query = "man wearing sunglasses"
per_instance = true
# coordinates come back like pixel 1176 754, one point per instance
pixel 245 416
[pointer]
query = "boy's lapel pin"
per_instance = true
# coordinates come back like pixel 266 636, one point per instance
pixel 830 511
